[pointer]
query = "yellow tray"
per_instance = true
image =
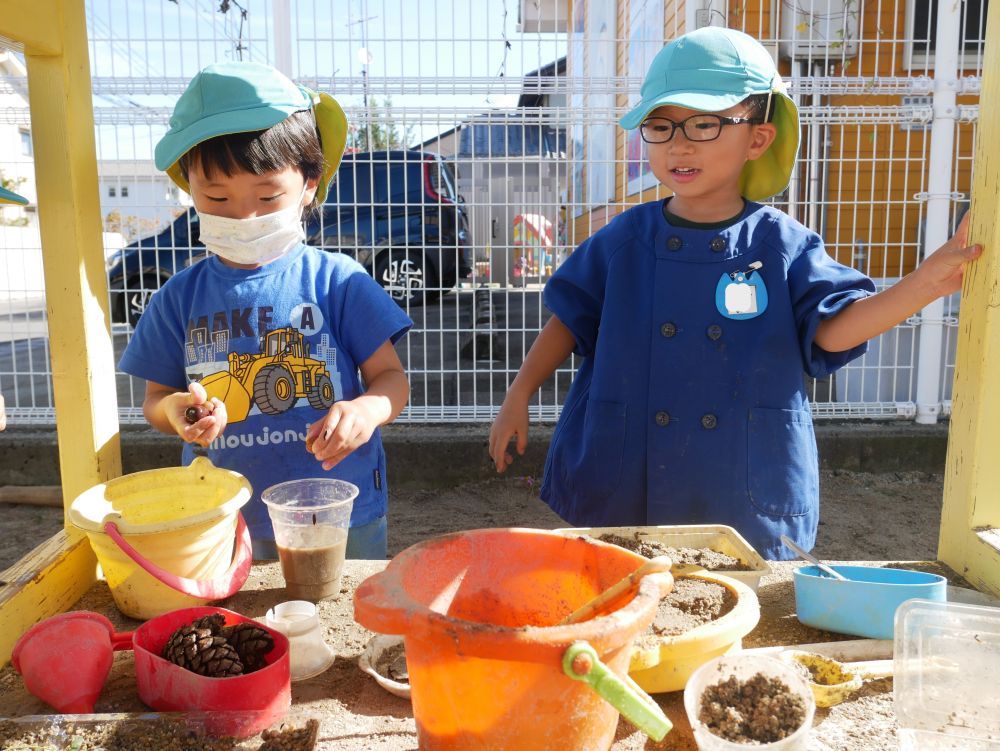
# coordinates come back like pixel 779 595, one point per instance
pixel 718 537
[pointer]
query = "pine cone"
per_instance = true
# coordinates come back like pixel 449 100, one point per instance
pixel 251 643
pixel 213 622
pixel 202 652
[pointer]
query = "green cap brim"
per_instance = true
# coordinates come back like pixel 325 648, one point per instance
pixel 330 121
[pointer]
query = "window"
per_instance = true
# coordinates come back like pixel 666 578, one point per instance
pixel 922 23
pixel 26 148
pixel 111 191
pixel 124 191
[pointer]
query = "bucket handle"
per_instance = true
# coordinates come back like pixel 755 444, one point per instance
pixel 581 663
pixel 206 589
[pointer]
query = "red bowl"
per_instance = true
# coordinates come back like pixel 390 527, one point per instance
pixel 240 706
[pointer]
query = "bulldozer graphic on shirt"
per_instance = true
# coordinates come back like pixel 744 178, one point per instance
pixel 273 380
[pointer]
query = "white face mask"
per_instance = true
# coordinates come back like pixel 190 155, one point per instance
pixel 253 241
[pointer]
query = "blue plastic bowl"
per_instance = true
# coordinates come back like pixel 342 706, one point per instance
pixel 866 604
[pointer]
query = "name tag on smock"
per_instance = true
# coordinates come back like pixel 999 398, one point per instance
pixel 741 294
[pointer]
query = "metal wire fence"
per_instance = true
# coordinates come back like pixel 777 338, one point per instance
pixel 485 149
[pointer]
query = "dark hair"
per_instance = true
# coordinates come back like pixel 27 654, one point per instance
pixel 757 106
pixel 294 142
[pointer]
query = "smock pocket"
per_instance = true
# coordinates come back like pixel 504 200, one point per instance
pixel 782 464
pixel 599 468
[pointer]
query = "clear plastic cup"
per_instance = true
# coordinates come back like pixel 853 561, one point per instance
pixel 744 667
pixel 311 519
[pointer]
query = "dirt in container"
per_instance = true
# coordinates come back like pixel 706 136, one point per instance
pixel 291 738
pixel 162 734
pixel 392 664
pixel 762 709
pixel 691 603
pixel 708 559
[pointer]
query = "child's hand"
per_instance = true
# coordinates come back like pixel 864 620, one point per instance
pixel 205 429
pixel 941 272
pixel 511 421
pixel 347 426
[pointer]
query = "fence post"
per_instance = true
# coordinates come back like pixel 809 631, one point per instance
pixel 282 30
pixel 939 188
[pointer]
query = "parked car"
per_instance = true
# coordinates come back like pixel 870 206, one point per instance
pixel 397 212
pixel 139 269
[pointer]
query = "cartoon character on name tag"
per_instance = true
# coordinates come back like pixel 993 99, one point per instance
pixel 741 294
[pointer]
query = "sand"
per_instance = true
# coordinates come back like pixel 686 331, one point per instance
pixel 865 518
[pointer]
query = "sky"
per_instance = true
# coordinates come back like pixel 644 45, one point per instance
pixel 439 60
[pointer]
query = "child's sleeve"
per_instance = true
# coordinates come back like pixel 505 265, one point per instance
pixel 575 293
pixel 156 350
pixel 368 316
pixel 821 288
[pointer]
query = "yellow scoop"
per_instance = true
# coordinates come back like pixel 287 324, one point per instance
pixel 833 681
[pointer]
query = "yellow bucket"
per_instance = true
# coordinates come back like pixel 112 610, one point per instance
pixel 668 665
pixel 165 537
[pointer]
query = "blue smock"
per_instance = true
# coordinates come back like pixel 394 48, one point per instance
pixel 690 405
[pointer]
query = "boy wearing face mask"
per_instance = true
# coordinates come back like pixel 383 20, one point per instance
pixel 281 353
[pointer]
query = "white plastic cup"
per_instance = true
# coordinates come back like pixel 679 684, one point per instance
pixel 311 519
pixel 743 667
pixel 309 655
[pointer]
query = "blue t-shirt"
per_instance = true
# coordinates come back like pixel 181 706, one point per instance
pixel 690 406
pixel 279 345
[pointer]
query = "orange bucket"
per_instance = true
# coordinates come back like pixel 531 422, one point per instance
pixel 486 664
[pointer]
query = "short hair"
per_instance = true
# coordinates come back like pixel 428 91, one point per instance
pixel 294 142
pixel 758 106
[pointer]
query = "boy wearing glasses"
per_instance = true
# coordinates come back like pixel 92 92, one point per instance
pixel 696 316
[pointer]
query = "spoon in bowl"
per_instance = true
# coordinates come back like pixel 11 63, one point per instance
pixel 812 559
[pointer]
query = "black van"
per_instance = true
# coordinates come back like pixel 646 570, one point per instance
pixel 400 215
pixel 397 212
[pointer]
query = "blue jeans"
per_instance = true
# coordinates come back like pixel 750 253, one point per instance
pixel 368 542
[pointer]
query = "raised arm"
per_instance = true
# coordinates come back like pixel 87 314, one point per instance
pixel 940 274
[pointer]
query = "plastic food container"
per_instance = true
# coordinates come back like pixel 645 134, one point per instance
pixel 716 537
pixel 370 658
pixel 865 605
pixel 668 665
pixel 299 621
pixel 946 663
pixel 743 667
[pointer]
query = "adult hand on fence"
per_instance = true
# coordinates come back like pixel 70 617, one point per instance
pixel 3 414
pixel 511 421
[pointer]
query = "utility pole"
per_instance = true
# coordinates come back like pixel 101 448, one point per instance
pixel 365 58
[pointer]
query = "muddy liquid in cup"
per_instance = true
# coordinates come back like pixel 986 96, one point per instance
pixel 313 572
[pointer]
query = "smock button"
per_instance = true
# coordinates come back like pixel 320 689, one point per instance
pixel 714 332
pixel 662 419
pixel 668 329
pixel 718 244
pixel 708 422
pixel 674 243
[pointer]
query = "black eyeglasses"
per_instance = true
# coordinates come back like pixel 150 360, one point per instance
pixel 696 127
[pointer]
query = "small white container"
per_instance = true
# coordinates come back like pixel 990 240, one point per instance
pixel 744 666
pixel 309 655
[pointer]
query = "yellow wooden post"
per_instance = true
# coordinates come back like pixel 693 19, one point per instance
pixel 970 522
pixel 53 35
